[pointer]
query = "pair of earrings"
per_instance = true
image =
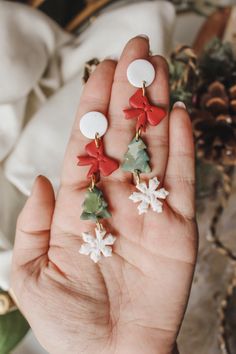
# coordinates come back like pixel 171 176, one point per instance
pixel 93 125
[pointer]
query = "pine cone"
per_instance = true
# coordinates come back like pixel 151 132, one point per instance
pixel 232 92
pixel 215 125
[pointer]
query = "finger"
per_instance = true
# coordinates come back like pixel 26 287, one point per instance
pixel 180 172
pixel 122 130
pixel 158 93
pixel 136 48
pixel 95 97
pixel 157 137
pixel 34 223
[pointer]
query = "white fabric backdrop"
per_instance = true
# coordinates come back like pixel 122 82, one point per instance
pixel 28 43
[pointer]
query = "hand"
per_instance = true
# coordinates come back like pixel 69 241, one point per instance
pixel 134 301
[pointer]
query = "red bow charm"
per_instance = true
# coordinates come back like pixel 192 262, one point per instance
pixel 143 111
pixel 100 162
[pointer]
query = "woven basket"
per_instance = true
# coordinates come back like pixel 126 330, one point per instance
pixel 70 14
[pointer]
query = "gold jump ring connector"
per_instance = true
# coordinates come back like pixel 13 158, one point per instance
pixel 99 226
pixel 138 133
pixel 144 88
pixel 93 183
pixel 137 177
pixel 97 140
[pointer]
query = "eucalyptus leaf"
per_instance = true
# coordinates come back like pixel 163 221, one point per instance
pixel 217 63
pixel 13 327
pixel 180 68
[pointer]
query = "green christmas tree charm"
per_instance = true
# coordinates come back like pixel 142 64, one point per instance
pixel 136 158
pixel 94 206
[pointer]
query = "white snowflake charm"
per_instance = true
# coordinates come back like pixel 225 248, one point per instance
pixel 97 246
pixel 149 196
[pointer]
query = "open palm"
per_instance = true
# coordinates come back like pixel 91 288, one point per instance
pixel 134 301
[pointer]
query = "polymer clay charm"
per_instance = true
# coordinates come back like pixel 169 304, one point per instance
pixel 101 164
pixel 139 71
pixel 141 74
pixel 93 125
pixel 143 111
pixel 149 196
pixel 97 246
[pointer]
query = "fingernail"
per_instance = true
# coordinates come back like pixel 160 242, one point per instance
pixel 179 104
pixel 144 36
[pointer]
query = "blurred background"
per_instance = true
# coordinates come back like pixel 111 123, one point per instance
pixel 48 50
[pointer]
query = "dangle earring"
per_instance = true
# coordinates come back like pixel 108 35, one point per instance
pixel 93 125
pixel 141 73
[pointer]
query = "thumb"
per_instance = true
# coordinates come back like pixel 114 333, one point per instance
pixel 34 224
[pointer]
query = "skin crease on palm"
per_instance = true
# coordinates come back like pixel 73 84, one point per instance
pixel 134 301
